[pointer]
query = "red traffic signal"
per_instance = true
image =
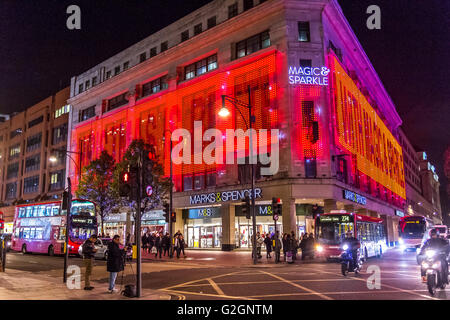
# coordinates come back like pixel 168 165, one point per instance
pixel 126 177
pixel 173 217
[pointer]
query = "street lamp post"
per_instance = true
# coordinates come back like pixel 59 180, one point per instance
pixel 69 206
pixel 171 194
pixel 223 113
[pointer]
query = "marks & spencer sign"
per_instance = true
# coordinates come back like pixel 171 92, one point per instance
pixel 218 197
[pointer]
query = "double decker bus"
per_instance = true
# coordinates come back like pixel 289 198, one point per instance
pixel 331 228
pixel 40 228
pixel 411 230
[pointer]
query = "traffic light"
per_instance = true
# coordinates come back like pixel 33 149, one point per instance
pixel 276 208
pixel 246 207
pixel 173 216
pixel 124 184
pixel 65 200
pixel 147 175
pixel 166 211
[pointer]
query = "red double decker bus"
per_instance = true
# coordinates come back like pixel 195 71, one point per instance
pixel 332 227
pixel 40 228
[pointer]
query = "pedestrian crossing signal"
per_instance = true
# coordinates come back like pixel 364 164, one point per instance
pixel 124 184
pixel 246 207
pixel 173 216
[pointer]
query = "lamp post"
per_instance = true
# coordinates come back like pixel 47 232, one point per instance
pixel 53 159
pixel 171 191
pixel 224 112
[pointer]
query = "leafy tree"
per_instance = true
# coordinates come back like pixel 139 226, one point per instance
pixel 98 184
pixel 161 185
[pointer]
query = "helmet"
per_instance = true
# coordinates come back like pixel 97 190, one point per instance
pixel 434 232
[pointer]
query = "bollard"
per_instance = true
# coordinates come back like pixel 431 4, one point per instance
pixel 2 255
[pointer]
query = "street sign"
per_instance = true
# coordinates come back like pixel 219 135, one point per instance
pixel 275 217
pixel 149 190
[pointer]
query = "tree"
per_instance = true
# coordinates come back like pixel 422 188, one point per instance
pixel 161 185
pixel 98 184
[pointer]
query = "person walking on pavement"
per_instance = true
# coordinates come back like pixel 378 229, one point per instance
pixel 88 251
pixel 294 245
pixel 259 242
pixel 179 245
pixel 277 247
pixel 310 245
pixel 115 261
pixel 166 244
pixel 285 246
pixel 159 245
pixel 303 243
pixel 268 243
pixel 144 241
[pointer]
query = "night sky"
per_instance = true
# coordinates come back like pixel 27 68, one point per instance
pixel 38 54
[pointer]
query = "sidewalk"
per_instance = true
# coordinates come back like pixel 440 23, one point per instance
pixel 22 285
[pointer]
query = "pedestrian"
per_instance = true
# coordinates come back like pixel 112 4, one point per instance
pixel 128 239
pixel 285 246
pixel 289 249
pixel 180 244
pixel 278 245
pixel 177 233
pixel 259 242
pixel 88 251
pixel 268 243
pixel 159 245
pixel 166 244
pixel 151 242
pixel 294 245
pixel 115 262
pixel 144 240
pixel 303 243
pixel 310 245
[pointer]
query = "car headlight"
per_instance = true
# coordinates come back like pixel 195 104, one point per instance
pixel 345 247
pixel 430 253
pixel 319 248
pixel 401 241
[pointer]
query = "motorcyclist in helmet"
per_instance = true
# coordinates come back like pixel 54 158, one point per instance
pixel 441 246
pixel 353 246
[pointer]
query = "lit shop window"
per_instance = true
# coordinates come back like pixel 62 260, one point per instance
pixel 14 151
pixel 200 67
pixel 252 44
pixel 63 110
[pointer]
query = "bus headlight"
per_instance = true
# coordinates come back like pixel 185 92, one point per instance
pixel 345 247
pixel 319 248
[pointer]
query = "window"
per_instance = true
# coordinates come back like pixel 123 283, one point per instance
pixel 200 67
pixel 108 75
pixel 56 180
pixel 60 134
pixel 80 88
pixel 86 113
pixel 198 29
pixel 116 70
pixel 117 102
pixel 164 46
pixel 184 35
pixel 252 44
pixel 11 190
pixel 35 122
pixel 142 57
pixel 31 184
pixel 153 52
pixel 199 181
pixel 34 142
pixel 187 183
pixel 126 65
pixel 63 110
pixel 248 4
pixel 305 63
pixel 33 163
pixel 94 81
pixel 12 170
pixel 154 86
pixel 211 179
pixel 87 84
pixel 14 151
pixel 211 22
pixel 15 133
pixel 233 10
pixel 303 31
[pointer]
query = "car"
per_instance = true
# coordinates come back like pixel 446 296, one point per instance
pixel 7 238
pixel 102 249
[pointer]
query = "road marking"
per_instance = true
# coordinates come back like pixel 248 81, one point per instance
pixel 216 287
pixel 203 279
pixel 298 286
pixel 207 294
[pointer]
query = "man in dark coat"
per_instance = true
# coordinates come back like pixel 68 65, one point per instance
pixel 268 243
pixel 88 251
pixel 159 245
pixel 166 244
pixel 115 262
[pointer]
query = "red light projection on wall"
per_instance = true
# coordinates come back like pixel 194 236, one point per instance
pixel 377 158
pixel 199 99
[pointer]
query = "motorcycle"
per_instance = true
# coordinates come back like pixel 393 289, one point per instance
pixel 347 264
pixel 433 268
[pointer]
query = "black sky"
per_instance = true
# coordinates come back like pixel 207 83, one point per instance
pixel 38 54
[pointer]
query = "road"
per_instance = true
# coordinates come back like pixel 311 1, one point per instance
pixel 230 275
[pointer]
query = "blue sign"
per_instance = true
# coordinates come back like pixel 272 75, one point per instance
pixel 352 196
pixel 399 213
pixel 204 213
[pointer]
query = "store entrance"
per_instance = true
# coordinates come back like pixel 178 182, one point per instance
pixel 204 237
